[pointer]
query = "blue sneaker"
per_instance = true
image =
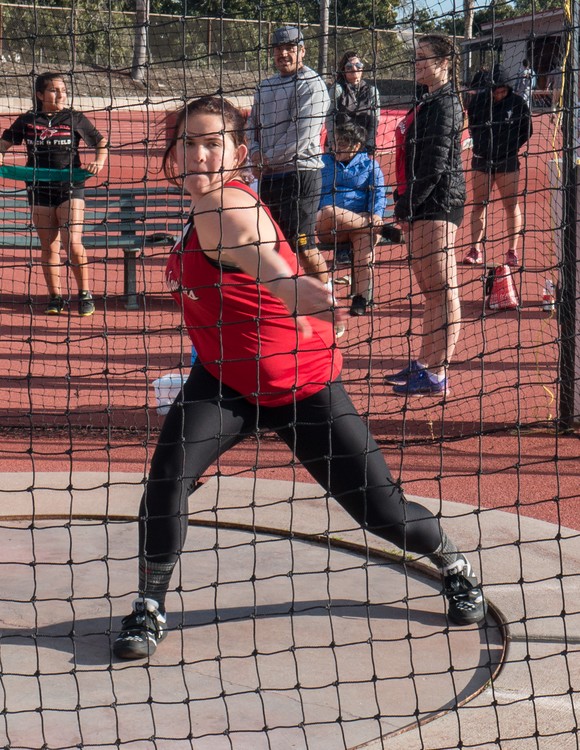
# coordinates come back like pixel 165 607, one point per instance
pixel 422 383
pixel 400 378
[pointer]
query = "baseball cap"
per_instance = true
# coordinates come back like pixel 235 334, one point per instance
pixel 287 35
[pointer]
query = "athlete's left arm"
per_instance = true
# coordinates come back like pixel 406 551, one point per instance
pixel 525 124
pixel 101 151
pixel 86 129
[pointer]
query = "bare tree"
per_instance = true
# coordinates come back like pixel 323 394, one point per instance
pixel 140 49
pixel 323 44
pixel 468 13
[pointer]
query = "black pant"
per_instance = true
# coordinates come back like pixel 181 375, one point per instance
pixel 324 432
pixel 293 200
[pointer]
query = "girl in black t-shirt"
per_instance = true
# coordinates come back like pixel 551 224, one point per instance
pixel 52 134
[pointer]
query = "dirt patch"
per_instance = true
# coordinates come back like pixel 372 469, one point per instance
pixel 17 80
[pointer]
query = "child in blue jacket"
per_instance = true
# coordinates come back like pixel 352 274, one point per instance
pixel 352 205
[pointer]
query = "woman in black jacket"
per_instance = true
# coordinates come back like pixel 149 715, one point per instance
pixel 429 202
pixel 353 99
pixel 499 124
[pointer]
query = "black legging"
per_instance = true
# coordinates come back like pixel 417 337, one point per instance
pixel 324 432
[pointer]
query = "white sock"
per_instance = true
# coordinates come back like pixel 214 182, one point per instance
pixel 440 376
pixel 150 605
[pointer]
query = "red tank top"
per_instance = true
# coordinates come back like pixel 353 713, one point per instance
pixel 242 333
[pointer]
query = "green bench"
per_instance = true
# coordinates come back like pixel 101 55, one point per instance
pixel 127 219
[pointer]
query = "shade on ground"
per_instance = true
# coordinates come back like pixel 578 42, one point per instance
pixel 274 643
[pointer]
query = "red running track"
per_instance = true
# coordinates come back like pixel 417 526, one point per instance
pixel 490 444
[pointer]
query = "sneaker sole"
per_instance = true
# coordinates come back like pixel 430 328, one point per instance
pixel 86 314
pixel 136 649
pixel 394 380
pixel 472 619
pixel 53 312
pixel 128 652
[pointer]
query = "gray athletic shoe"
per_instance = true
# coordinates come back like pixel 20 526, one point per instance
pixel 86 304
pixel 55 306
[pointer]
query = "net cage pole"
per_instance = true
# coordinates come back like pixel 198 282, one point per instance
pixel 569 293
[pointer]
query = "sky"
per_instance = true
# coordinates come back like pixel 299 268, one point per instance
pixel 442 7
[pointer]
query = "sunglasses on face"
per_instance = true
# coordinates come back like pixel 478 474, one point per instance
pixel 354 66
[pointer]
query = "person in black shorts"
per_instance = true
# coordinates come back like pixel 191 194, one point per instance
pixel 500 124
pixel 52 134
pixel 429 203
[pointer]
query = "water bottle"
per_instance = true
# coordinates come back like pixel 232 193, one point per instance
pixel 548 297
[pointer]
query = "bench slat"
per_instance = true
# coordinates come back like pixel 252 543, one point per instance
pixel 96 241
pixel 127 219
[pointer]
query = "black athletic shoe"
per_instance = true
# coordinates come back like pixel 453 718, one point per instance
pixel 55 306
pixel 343 256
pixel 141 631
pixel 358 305
pixel 467 604
pixel 86 304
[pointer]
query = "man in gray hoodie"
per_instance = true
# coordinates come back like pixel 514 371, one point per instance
pixel 285 127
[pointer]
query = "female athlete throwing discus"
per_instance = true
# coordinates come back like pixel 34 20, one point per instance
pixel 267 359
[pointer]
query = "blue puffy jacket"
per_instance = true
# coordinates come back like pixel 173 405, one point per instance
pixel 357 185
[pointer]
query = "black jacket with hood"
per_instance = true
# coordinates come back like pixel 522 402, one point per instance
pixel 499 129
pixel 432 157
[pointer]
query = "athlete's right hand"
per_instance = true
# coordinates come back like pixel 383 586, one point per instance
pixel 315 298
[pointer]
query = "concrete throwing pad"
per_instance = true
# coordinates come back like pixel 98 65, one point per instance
pixel 275 643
